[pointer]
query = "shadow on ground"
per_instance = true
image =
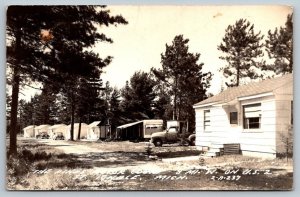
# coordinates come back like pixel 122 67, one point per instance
pixel 107 159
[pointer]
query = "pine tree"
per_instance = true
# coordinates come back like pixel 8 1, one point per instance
pixel 163 108
pixel 242 48
pixel 41 41
pixel 138 97
pixel 183 78
pixel 115 109
pixel 279 46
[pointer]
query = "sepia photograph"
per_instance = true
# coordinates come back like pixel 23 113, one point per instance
pixel 149 97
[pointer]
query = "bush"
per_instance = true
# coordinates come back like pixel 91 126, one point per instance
pixel 41 156
pixel 26 154
pixel 31 157
pixel 17 167
pixel 22 163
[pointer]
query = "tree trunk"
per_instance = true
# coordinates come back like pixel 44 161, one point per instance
pixel 72 121
pixel 14 112
pixel 175 101
pixel 238 70
pixel 238 76
pixel 14 99
pixel 79 129
pixel 179 109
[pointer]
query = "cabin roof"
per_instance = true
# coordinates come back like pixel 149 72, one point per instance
pixel 250 89
pixel 42 126
pixel 57 126
pixel 94 124
pixel 29 127
pixel 77 124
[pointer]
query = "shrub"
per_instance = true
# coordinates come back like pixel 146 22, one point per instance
pixel 148 149
pixel 41 156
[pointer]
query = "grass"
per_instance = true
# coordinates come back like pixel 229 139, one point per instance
pixel 61 171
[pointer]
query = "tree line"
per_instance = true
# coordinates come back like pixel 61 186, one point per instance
pixel 49 44
pixel 52 48
pixel 243 50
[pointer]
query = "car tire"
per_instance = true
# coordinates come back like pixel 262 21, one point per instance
pixel 157 142
pixel 192 143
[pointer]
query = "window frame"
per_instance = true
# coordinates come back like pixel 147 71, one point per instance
pixel 206 119
pixel 246 123
pixel 230 118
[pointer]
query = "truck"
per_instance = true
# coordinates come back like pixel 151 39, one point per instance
pixel 177 131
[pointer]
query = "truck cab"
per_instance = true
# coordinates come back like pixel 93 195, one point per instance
pixel 176 132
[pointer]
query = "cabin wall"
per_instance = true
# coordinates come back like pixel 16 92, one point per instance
pixel 284 136
pixel 254 142
pixel 93 133
pixel 41 130
pixel 219 124
pixel 102 132
pixel 29 132
pixel 61 129
pixel 83 132
pixel 260 142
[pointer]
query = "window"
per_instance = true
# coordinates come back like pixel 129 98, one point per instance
pixel 206 119
pixel 233 118
pixel 252 116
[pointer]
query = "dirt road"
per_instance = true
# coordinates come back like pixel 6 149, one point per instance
pixel 84 165
pixel 112 156
pixel 71 148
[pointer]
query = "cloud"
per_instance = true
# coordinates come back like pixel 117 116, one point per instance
pixel 217 15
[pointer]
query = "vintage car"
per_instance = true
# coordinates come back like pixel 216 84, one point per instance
pixel 42 135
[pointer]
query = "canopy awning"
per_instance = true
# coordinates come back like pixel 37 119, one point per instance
pixel 128 125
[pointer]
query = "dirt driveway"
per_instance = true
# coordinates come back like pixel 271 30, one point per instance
pixel 85 165
pixel 71 148
pixel 120 156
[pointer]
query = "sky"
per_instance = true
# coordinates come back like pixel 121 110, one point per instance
pixel 139 44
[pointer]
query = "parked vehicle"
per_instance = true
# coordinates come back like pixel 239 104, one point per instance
pixel 58 136
pixel 176 132
pixel 192 139
pixel 140 130
pixel 42 135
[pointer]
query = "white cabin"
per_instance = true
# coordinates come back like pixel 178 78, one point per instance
pixel 29 131
pixel 255 116
pixel 57 128
pixel 41 129
pixel 83 131
pixel 97 131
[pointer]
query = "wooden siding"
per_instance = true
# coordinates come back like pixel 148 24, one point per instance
pixel 284 96
pixel 262 140
pixel 283 122
pixel 219 129
pixel 265 141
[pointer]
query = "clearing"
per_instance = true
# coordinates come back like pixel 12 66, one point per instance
pixel 85 165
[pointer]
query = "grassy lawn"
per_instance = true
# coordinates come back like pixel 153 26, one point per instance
pixel 126 166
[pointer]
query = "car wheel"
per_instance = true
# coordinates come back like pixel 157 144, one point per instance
pixel 192 143
pixel 157 142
